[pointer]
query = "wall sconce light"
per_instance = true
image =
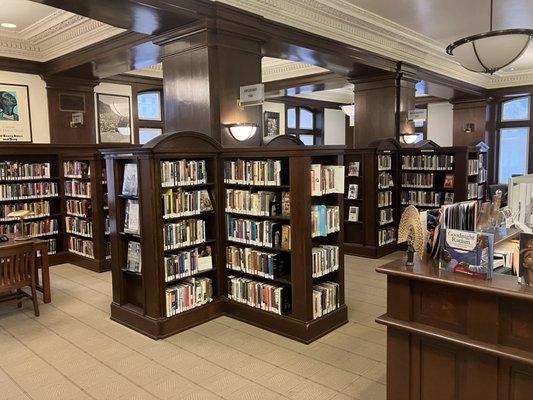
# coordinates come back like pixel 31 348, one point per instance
pixel 407 132
pixel 242 132
pixel 469 128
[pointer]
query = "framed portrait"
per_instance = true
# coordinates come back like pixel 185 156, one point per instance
pixel 114 118
pixel 15 118
pixel 271 124
pixel 149 105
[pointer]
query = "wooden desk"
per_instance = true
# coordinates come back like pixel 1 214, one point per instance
pixel 42 262
pixel 455 337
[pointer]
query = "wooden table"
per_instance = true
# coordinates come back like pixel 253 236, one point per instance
pixel 42 246
pixel 453 337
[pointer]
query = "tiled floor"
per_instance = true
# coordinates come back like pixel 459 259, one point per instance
pixel 74 351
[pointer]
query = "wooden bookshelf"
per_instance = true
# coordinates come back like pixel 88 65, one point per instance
pixel 139 300
pixel 362 237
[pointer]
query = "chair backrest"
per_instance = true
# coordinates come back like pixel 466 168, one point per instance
pixel 16 266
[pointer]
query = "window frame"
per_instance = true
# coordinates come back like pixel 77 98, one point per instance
pixel 516 120
pixel 316 132
pixel 512 124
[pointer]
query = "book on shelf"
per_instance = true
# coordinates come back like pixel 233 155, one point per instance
pixel 34 228
pixel 465 252
pixel 182 203
pixel 28 190
pixel 257 233
pixel 418 180
pixel 253 172
pixel 285 204
pixel 184 233
pixel 385 180
pixel 324 220
pixel 266 296
pixel 38 208
pixel 77 188
pixel 79 208
pixel 183 172
pixel 326 179
pixel 437 162
pixel 353 191
pixel 256 262
pixel 386 216
pixel 353 214
pixel 385 199
pixel 130 183
pixel 525 269
pixel 473 167
pixel 52 246
pixel 449 181
pixel 448 198
pixel 80 246
pixel 107 226
pixel 79 226
pixel 260 203
pixel 76 169
pixel 188 262
pixel 386 235
pixel 472 191
pixel 286 237
pixel 353 168
pixel 325 298
pixel 131 217
pixel 422 199
pixel 133 259
pixel 18 171
pixel 325 260
pixel 188 294
pixel 384 162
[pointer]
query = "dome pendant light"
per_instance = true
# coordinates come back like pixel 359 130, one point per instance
pixel 490 51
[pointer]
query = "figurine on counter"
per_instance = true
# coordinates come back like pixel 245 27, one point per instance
pixel 410 231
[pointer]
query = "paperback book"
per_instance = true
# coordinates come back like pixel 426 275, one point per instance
pixel 353 214
pixel 353 191
pixel 353 168
pixel 130 182
pixel 133 261
pixel 131 217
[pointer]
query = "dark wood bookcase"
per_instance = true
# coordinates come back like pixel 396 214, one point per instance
pixel 362 236
pixel 139 299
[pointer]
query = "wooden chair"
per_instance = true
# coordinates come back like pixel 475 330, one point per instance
pixel 17 271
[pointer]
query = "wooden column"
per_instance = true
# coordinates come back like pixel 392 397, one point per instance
pixel 470 112
pixel 60 130
pixel 204 65
pixel 381 104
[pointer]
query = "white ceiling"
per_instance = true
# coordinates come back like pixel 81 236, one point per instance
pixel 22 13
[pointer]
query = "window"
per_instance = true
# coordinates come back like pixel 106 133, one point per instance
pixel 513 141
pixel 149 106
pixel 147 134
pixel 304 123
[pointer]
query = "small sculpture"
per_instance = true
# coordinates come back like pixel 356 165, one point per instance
pixel 411 231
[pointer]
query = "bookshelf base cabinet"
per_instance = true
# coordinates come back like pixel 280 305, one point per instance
pixel 198 232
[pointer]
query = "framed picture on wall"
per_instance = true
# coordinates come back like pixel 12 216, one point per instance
pixel 114 118
pixel 15 118
pixel 149 105
pixel 147 134
pixel 271 124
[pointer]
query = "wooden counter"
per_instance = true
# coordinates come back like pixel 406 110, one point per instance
pixel 451 336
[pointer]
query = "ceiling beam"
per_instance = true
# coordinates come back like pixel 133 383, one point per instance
pixel 22 66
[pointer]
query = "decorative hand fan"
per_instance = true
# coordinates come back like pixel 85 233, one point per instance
pixel 411 231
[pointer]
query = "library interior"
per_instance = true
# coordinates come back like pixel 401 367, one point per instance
pixel 266 199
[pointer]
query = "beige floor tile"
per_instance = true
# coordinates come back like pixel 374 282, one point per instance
pixel 254 392
pixel 311 391
pixel 334 378
pixel 365 389
pixel 225 383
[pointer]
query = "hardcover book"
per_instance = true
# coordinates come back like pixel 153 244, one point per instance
pixel 205 201
pixel 130 182
pixel 133 262
pixel 131 217
pixel 465 252
pixel 205 259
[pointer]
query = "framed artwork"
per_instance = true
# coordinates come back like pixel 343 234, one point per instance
pixel 147 134
pixel 15 118
pixel 449 181
pixel 149 105
pixel 271 124
pixel 114 118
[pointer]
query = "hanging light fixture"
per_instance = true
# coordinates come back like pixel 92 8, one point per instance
pixel 490 51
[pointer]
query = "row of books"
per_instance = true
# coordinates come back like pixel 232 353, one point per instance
pixel 325 260
pixel 183 173
pixel 416 180
pixel 30 190
pixel 181 203
pixel 80 246
pixel 184 233
pixel 325 298
pixel 188 262
pixel 324 220
pixel 188 294
pixel 133 258
pixel 52 246
pixel 384 199
pixel 261 203
pixel 268 297
pixel 385 180
pixel 38 208
pixel 386 216
pixel 76 169
pixel 473 167
pixel 256 262
pixel 44 227
pixel 421 198
pixel 258 233
pixel 386 235
pixel 326 179
pixel 472 190
pixel 428 162
pixel 482 176
pixel 17 171
pixel 78 188
pixel 79 226
pixel 384 162
pixel 79 208
pixel 253 172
